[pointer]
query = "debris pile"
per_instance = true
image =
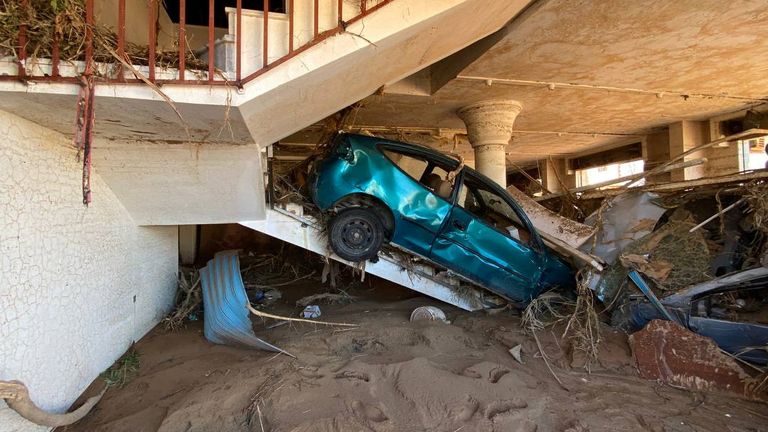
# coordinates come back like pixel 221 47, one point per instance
pixel 693 255
pixel 189 300
pixel 235 284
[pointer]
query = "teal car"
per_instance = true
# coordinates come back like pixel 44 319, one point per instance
pixel 380 191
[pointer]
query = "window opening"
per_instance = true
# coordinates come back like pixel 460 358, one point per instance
pixel 590 176
pixel 753 154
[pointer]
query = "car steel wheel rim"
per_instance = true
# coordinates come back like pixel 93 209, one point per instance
pixel 357 234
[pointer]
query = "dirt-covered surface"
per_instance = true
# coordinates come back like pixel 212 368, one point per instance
pixel 393 375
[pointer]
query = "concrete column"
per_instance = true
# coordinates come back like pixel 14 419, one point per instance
pixel 656 152
pixel 683 136
pixel 188 243
pixel 489 127
pixel 555 171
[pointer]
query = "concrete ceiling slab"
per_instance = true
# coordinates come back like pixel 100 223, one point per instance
pixel 584 119
pixel 654 62
pixel 706 46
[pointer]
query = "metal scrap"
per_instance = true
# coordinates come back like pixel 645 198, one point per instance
pixel 669 353
pixel 226 304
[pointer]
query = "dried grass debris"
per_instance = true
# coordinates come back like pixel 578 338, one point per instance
pixel 63 23
pixel 189 298
pixel 583 326
pixel 672 256
pixel 578 316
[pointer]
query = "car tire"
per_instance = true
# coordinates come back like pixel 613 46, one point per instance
pixel 356 234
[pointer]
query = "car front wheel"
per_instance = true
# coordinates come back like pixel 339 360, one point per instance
pixel 356 234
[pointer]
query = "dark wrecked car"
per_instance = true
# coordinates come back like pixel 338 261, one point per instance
pixel 381 191
pixel 732 310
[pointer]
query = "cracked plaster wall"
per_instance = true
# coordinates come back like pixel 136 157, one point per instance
pixel 77 285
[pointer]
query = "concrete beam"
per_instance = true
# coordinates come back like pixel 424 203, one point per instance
pixel 183 184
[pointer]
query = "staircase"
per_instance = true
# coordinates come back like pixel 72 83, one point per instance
pixel 282 73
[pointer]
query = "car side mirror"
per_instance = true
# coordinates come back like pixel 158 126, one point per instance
pixel 344 151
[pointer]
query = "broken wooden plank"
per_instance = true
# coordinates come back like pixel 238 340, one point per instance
pixel 668 187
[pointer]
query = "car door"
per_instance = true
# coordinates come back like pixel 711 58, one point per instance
pixel 418 210
pixel 489 241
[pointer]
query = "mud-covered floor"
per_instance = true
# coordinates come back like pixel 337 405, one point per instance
pixel 393 375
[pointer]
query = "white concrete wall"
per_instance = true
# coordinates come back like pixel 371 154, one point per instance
pixel 77 285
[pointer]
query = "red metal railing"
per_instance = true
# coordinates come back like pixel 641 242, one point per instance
pixel 321 10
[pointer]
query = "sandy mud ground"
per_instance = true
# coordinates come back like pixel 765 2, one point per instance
pixel 393 375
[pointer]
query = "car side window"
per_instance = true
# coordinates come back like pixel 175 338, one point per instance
pixel 416 168
pixel 412 166
pixel 494 210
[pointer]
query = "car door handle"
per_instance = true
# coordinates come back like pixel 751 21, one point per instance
pixel 459 225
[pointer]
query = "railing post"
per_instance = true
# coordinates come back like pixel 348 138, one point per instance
pixel 182 38
pixel 317 17
pixel 341 12
pixel 152 37
pixel 363 6
pixel 88 38
pixel 265 53
pixel 121 38
pixel 211 40
pixel 22 54
pixel 238 42
pixel 55 55
pixel 290 26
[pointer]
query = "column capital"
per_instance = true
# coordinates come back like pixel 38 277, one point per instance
pixel 490 122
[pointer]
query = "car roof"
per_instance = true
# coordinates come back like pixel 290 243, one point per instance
pixel 409 147
pixel 425 151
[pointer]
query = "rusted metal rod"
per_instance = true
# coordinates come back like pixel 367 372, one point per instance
pixel 152 37
pixel 88 38
pixel 120 38
pixel 55 55
pixel 22 55
pixel 238 41
pixel 182 39
pixel 265 49
pixel 316 12
pixel 211 40
pixel 290 27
